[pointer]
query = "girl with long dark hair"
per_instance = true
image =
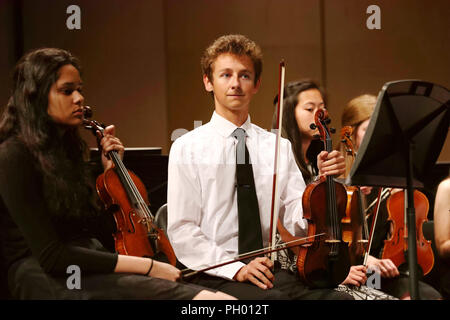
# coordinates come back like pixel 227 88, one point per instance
pixel 51 221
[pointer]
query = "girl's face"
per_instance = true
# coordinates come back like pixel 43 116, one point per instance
pixel 309 101
pixel 65 101
pixel 360 132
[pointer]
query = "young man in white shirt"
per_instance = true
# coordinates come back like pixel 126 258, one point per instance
pixel 202 198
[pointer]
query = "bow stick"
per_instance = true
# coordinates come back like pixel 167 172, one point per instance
pixel 297 242
pixel 275 199
pixel 374 222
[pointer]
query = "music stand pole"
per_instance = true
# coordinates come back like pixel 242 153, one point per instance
pixel 411 220
pixel 404 137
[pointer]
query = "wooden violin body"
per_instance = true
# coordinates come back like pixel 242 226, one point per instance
pixel 395 248
pixel 124 194
pixel 326 262
pixel 135 235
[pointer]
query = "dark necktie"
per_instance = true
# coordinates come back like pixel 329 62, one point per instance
pixel 250 237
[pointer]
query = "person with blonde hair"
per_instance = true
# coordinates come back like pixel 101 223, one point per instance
pixel 357 114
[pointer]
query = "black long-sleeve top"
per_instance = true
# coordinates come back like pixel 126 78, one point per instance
pixel 26 226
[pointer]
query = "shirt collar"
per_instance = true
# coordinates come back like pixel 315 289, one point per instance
pixel 226 128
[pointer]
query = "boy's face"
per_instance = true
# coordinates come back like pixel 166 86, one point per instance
pixel 233 83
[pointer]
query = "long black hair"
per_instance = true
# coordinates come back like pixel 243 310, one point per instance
pixel 290 128
pixel 59 153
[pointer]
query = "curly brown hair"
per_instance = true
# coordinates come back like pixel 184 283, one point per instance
pixel 235 44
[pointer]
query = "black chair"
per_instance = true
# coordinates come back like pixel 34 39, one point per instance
pixel 161 222
pixel 161 218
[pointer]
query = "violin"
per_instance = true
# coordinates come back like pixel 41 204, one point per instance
pixel 396 247
pixel 326 262
pixel 354 224
pixel 124 194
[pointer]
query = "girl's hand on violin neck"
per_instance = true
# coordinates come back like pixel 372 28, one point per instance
pixel 257 272
pixel 331 164
pixel 110 142
pixel 385 267
pixel 356 276
pixel 366 190
pixel 165 271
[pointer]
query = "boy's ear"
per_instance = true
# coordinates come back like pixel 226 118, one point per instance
pixel 208 84
pixel 257 85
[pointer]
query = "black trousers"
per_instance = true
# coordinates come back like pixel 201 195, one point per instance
pixel 27 281
pixel 286 286
pixel 399 288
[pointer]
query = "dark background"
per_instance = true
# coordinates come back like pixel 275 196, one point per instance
pixel 141 58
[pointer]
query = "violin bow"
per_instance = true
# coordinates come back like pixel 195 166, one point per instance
pixel 386 192
pixel 297 242
pixel 381 194
pixel 275 199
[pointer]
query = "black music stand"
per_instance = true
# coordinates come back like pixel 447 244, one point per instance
pixel 403 141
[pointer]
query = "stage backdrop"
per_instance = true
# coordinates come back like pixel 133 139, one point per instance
pixel 141 57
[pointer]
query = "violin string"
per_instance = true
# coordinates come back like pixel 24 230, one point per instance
pixel 332 191
pixel 124 173
pixel 131 186
pixel 116 160
pixel 140 201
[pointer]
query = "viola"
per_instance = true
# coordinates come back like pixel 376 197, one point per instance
pixel 124 194
pixel 326 262
pixel 354 224
pixel 396 247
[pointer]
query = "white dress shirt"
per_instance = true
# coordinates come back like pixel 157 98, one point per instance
pixel 202 199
